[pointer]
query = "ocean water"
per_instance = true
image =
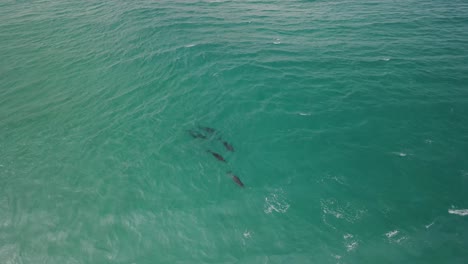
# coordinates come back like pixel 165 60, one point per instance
pixel 349 122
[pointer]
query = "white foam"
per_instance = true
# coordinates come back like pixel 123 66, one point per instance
pixel 332 212
pixel 276 202
pixel 462 212
pixel 392 233
pixel 429 225
pixel 277 41
pixel 247 234
pixel 190 45
pixel 304 114
pixel 398 241
pixel 401 154
pixel 352 246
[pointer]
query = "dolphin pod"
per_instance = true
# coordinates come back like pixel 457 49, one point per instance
pixel 208 133
pixel 211 131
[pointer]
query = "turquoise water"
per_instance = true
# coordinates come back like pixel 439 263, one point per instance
pixel 348 119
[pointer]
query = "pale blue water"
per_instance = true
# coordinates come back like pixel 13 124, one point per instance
pixel 348 120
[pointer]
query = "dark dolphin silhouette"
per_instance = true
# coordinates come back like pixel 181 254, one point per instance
pixel 208 129
pixel 236 179
pixel 228 146
pixel 217 156
pixel 196 134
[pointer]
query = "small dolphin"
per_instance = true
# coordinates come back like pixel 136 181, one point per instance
pixel 236 179
pixel 228 146
pixel 217 156
pixel 196 134
pixel 208 129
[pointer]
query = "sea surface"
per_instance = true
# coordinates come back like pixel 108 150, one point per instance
pixel 348 121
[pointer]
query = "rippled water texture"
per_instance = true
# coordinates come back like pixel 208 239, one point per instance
pixel 347 120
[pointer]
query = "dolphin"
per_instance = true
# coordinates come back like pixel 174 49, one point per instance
pixel 208 129
pixel 228 146
pixel 217 156
pixel 196 134
pixel 236 179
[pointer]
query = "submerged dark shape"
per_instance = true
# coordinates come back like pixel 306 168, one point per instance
pixel 236 179
pixel 217 156
pixel 196 134
pixel 228 146
pixel 208 129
